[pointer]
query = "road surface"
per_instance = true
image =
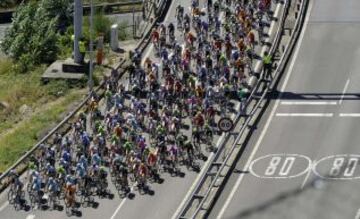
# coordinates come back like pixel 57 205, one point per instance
pixel 303 162
pixel 162 204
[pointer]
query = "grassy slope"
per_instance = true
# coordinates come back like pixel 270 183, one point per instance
pixel 18 133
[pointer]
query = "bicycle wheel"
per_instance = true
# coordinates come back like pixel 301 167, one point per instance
pixel 11 196
pixel 32 199
pixel 51 202
pixel 17 203
pixel 83 200
pixel 68 207
pixel 28 187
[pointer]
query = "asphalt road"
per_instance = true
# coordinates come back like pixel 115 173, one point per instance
pixel 162 204
pixel 303 160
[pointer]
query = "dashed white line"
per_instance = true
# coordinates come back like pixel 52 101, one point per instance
pixel 308 103
pixel 349 115
pixel 304 114
pixel 344 91
pixel 262 135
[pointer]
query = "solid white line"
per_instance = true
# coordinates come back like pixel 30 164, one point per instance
pixel 308 103
pixel 187 196
pixel 207 163
pixel 150 49
pixel 304 114
pixel 237 184
pixel 120 205
pixel 349 114
pixel 345 89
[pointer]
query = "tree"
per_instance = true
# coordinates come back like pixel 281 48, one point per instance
pixel 9 3
pixel 63 9
pixel 33 37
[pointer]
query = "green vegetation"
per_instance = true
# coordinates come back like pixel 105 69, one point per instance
pixel 124 34
pixel 15 143
pixel 33 38
pixel 40 33
pixel 47 103
pixel 8 4
pixel 24 89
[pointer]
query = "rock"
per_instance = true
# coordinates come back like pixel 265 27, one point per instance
pixel 4 105
pixel 25 110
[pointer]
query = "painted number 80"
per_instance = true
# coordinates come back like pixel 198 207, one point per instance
pixel 275 167
pixel 338 165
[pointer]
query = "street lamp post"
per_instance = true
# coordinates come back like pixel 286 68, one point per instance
pixel 134 26
pixel 91 69
pixel 78 15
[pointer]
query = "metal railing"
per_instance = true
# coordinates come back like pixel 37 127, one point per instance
pixel 215 180
pixel 108 8
pixel 21 165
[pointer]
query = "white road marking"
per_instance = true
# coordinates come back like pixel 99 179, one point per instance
pixel 237 184
pixel 344 91
pixel 150 49
pixel 4 206
pixel 349 115
pixel 308 174
pixel 304 114
pixel 30 216
pixel 277 170
pixel 121 204
pixel 357 216
pixel 308 103
pixel 205 166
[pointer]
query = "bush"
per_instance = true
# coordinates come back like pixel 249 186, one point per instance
pixel 123 31
pixel 58 88
pixel 24 64
pixel 102 25
pixel 32 38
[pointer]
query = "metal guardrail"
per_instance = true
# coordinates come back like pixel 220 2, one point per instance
pixel 108 8
pixel 280 69
pixel 21 165
pixel 115 4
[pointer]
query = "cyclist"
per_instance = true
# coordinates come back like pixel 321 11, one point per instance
pixel 50 170
pixel 171 29
pixel 70 191
pixel 142 173
pixel 16 186
pixel 179 13
pixel 155 37
pixel 80 170
pixel 102 179
pixel 36 188
pixel 53 186
pixel 96 159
